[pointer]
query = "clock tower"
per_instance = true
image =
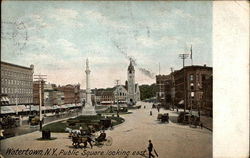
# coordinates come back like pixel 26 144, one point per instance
pixel 131 84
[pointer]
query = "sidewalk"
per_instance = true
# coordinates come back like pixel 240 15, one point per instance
pixel 207 122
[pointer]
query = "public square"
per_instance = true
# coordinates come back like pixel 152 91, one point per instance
pixel 170 140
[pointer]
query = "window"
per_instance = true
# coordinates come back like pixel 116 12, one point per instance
pixel 198 77
pixel 191 77
pixel 191 86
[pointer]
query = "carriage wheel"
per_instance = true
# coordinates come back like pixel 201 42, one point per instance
pixel 109 141
pixel 99 144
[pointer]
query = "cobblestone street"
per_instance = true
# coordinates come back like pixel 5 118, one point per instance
pixel 170 140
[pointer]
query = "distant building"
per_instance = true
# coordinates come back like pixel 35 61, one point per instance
pixel 36 92
pixel 71 93
pixel 164 86
pixel 16 84
pixel 120 94
pixel 107 97
pixel 53 96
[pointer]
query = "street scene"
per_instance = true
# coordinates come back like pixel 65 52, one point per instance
pixel 125 79
pixel 168 139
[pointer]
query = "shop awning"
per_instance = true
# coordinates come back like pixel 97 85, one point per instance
pixel 7 110
pixel 106 102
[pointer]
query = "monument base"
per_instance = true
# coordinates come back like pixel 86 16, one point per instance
pixel 87 111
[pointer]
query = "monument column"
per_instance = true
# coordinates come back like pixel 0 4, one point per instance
pixel 88 108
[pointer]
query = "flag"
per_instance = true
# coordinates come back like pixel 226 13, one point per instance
pixel 191 55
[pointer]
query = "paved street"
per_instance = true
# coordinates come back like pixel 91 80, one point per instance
pixel 170 140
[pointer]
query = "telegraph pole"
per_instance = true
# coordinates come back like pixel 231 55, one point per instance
pixel 183 57
pixel 172 87
pixel 41 79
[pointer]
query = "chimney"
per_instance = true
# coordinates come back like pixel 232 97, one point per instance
pixel 205 65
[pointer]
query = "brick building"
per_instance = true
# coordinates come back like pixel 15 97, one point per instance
pixel 16 84
pixel 207 98
pixel 164 90
pixel 189 82
pixel 107 97
pixel 71 93
pixel 36 92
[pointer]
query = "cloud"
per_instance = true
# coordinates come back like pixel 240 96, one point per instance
pixel 104 20
pixel 66 16
pixel 150 42
pixel 67 47
pixel 62 14
pixel 146 41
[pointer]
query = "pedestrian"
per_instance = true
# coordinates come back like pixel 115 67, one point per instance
pixel 201 125
pixel 150 149
pixel 150 113
pixel 89 140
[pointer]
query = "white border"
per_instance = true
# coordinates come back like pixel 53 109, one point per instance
pixel 231 79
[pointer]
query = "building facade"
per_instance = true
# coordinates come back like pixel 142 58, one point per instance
pixel 164 90
pixel 71 93
pixel 16 84
pixel 207 98
pixel 188 86
pixel 120 94
pixel 107 97
pixel 36 92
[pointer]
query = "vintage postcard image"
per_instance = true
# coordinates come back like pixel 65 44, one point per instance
pixel 106 79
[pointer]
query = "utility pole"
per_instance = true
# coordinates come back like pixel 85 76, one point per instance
pixel 183 57
pixel 41 79
pixel 159 68
pixel 172 87
pixel 117 98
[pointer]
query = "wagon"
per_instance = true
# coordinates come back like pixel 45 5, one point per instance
pixel 99 141
pixel 159 117
pixel 165 118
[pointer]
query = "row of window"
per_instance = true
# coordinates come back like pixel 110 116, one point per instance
pixel 16 74
pixel 122 94
pixel 15 82
pixel 16 90
pixel 21 100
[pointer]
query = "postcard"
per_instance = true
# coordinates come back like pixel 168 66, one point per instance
pixel 108 79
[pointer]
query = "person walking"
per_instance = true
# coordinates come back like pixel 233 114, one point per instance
pixel 150 149
pixel 89 140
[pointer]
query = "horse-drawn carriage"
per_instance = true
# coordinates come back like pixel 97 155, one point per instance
pixel 163 117
pixel 9 122
pixel 102 139
pixel 87 136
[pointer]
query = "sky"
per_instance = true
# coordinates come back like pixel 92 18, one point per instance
pixel 58 37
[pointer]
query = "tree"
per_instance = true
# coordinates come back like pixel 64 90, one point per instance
pixel 148 91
